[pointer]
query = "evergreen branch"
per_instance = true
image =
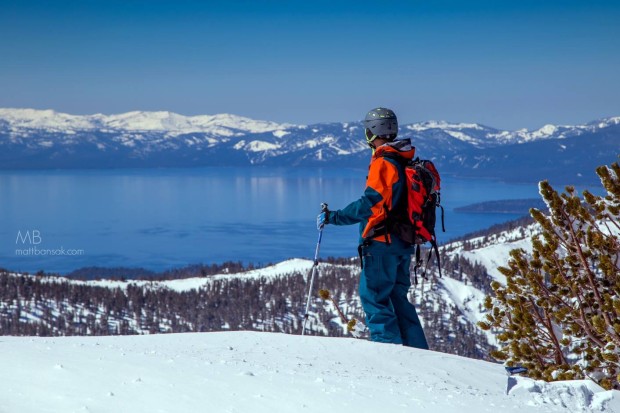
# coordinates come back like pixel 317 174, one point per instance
pixel 560 358
pixel 591 278
pixel 587 328
pixel 559 267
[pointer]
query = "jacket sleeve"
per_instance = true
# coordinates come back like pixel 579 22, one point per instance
pixel 381 177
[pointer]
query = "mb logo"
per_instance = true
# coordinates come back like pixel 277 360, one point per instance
pixel 29 237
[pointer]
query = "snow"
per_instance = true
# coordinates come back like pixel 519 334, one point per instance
pixel 260 146
pixel 604 123
pixel 173 123
pixel 144 132
pixel 311 143
pixel 482 134
pixel 280 133
pixel 494 251
pixel 544 132
pixel 26 121
pixel 340 151
pixel 469 301
pixel 261 372
pixel 497 255
pixel 239 145
pixel 284 268
pixel 278 270
pixel 247 371
pixel 465 297
pixel 432 124
pixel 255 146
pixel 461 136
pixel 43 119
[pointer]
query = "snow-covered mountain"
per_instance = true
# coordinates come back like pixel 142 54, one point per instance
pixel 267 373
pixel 163 121
pixel 46 139
pixel 173 124
pixel 483 136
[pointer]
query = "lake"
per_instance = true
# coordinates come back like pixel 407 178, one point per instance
pixel 163 218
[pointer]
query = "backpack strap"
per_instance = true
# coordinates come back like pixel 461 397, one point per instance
pixel 418 264
pixel 436 249
pixel 443 224
pixel 418 261
pixel 359 252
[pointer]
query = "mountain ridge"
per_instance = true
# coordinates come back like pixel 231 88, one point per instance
pixel 33 139
pixel 173 122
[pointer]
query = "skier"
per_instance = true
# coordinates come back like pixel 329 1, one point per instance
pixel 386 259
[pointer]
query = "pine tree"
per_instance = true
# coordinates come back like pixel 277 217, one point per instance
pixel 559 313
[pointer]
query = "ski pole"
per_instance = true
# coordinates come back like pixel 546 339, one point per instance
pixel 314 269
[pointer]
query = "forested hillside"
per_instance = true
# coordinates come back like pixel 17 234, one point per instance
pixel 270 299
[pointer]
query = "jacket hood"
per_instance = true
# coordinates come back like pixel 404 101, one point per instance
pixel 402 147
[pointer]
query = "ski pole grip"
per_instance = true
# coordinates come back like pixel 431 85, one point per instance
pixel 323 207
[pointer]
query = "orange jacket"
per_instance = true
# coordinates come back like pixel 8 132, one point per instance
pixel 384 186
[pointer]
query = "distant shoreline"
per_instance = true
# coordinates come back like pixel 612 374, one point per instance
pixel 504 206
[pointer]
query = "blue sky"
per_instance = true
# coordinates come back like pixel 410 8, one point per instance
pixel 508 64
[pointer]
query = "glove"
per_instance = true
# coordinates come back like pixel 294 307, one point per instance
pixel 322 219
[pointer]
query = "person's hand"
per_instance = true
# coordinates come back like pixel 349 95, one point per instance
pixel 322 219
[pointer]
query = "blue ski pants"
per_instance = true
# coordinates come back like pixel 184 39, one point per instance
pixel 384 284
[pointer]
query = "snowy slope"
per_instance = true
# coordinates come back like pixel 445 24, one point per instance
pixel 494 251
pixel 281 269
pixel 259 372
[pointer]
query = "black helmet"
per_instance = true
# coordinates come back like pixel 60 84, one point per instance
pixel 381 123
